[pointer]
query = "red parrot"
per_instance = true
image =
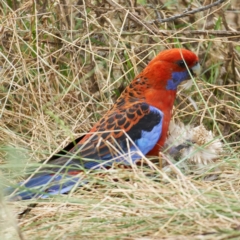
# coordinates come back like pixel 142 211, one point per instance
pixel 136 125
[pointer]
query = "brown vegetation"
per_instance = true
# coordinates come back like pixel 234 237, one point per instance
pixel 63 64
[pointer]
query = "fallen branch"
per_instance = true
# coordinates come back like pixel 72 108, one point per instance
pixel 187 13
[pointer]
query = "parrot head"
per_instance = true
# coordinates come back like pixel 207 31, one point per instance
pixel 171 67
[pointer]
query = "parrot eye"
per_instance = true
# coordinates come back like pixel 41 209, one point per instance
pixel 181 64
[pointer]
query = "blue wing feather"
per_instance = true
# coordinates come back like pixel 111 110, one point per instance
pixel 149 138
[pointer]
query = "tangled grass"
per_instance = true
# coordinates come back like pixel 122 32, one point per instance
pixel 64 63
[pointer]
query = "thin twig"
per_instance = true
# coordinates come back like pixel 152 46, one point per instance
pixel 220 33
pixel 187 13
pixel 148 25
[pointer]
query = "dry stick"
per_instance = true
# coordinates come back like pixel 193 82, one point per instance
pixel 185 14
pixel 148 25
pixel 219 33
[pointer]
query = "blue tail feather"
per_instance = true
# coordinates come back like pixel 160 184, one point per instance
pixel 45 186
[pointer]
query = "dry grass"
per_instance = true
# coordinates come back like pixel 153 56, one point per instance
pixel 63 64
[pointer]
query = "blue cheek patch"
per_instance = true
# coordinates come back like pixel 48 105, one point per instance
pixel 177 78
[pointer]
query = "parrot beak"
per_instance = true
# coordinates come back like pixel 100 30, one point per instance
pixel 196 69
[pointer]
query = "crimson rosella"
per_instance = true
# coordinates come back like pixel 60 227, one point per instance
pixel 135 126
